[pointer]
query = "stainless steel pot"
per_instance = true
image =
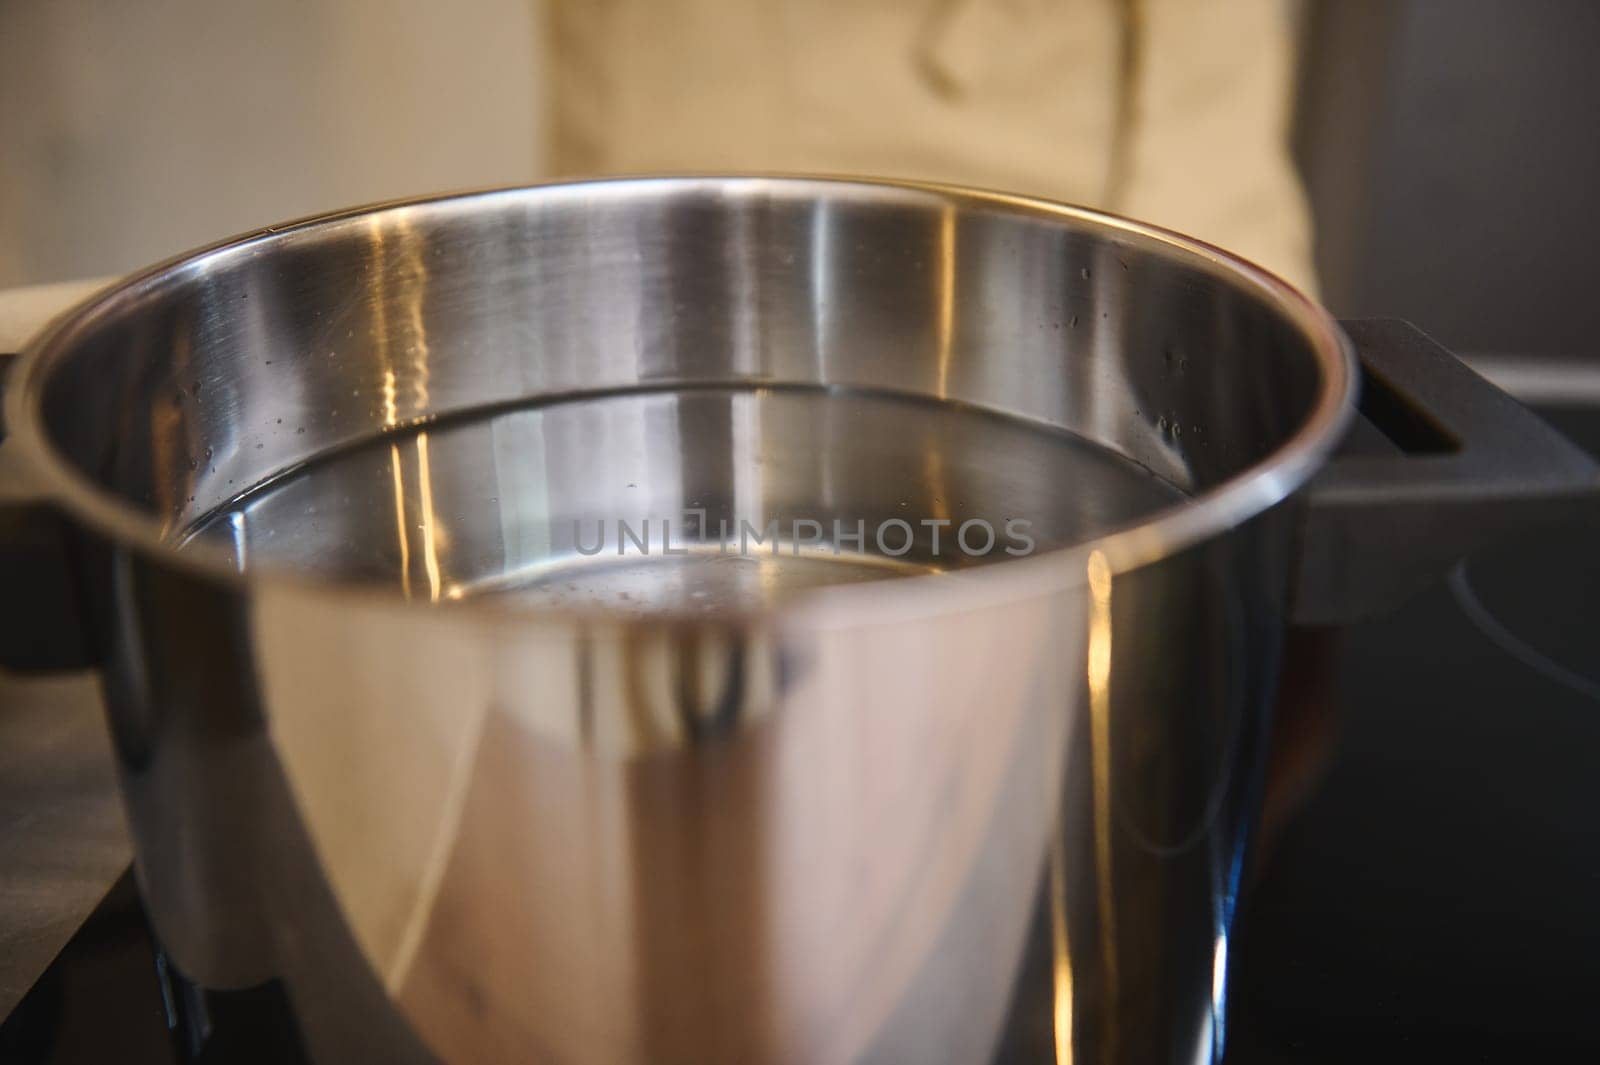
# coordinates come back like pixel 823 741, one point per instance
pixel 405 757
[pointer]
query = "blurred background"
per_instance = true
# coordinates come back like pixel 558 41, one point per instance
pixel 1447 146
pixel 135 131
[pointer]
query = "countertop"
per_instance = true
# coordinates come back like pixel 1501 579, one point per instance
pixel 62 839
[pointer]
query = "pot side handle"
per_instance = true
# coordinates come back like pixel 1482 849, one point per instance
pixel 1462 464
pixel 40 627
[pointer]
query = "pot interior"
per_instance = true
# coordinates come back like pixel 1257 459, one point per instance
pixel 676 392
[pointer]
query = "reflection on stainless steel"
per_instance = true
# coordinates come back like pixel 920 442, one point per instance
pixel 1060 956
pixel 798 807
pixel 428 525
pixel 1099 681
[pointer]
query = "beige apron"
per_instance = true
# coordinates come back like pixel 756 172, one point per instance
pixel 1172 111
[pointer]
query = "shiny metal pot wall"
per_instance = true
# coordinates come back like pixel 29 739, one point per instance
pixel 402 754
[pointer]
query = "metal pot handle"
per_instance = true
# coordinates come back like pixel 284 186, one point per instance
pixel 1441 463
pixel 40 627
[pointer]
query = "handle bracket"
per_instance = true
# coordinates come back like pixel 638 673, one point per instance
pixel 1466 464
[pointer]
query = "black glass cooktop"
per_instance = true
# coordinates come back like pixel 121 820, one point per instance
pixel 1429 882
pixel 1439 891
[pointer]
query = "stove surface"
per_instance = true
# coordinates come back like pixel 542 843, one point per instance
pixel 1434 892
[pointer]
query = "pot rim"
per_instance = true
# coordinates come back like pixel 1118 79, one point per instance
pixel 1165 532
